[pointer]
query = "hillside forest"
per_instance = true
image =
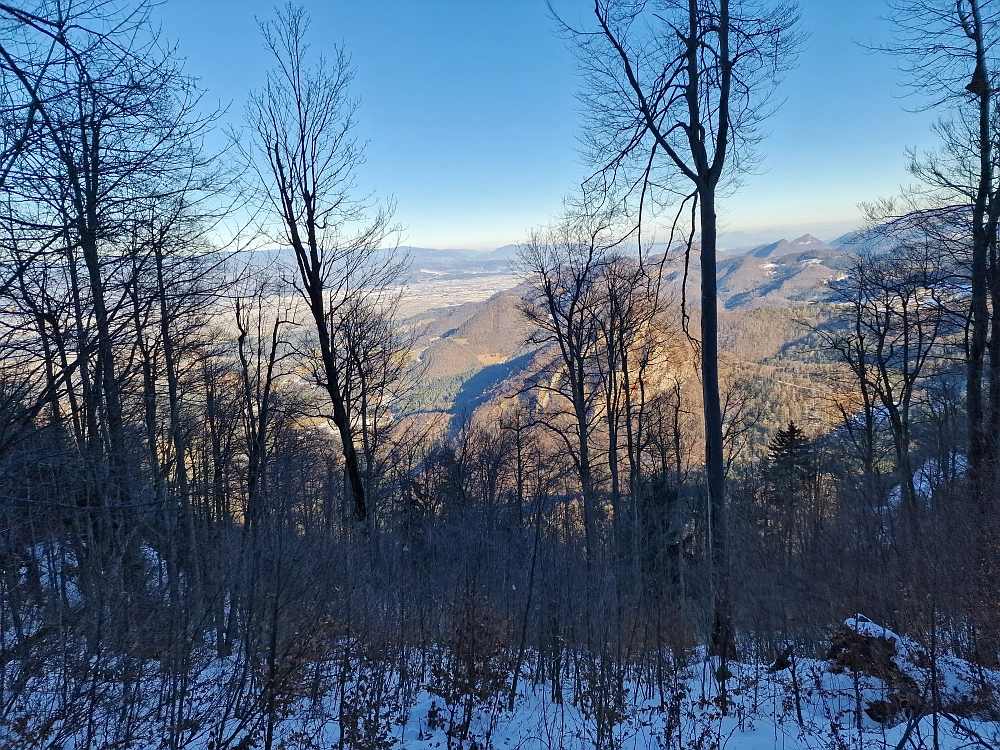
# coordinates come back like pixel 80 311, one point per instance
pixel 653 495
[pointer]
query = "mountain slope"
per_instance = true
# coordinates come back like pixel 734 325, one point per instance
pixel 466 350
pixel 780 274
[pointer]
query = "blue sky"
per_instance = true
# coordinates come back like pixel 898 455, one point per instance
pixel 469 112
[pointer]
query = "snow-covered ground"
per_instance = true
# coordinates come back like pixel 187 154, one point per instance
pixel 793 703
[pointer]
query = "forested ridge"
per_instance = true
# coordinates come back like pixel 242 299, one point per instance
pixel 236 512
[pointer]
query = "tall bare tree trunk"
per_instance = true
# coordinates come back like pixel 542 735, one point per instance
pixel 715 467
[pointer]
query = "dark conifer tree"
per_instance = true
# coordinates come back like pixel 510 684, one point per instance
pixel 789 478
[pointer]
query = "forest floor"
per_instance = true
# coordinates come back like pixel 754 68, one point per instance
pixel 805 703
pixel 873 690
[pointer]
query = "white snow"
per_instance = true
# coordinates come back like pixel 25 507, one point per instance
pixel 931 475
pixel 761 713
pixel 818 707
pixel 863 626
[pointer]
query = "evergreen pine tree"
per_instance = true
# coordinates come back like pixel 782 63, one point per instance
pixel 789 476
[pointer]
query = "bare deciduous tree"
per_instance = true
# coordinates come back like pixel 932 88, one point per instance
pixel 895 308
pixel 563 267
pixel 302 122
pixel 683 87
pixel 949 51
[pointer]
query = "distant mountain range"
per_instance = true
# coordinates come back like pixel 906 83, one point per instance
pixel 785 247
pixel 428 263
pixel 738 242
pixel 784 273
pixel 778 274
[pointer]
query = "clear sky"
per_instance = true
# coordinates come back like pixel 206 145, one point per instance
pixel 469 112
